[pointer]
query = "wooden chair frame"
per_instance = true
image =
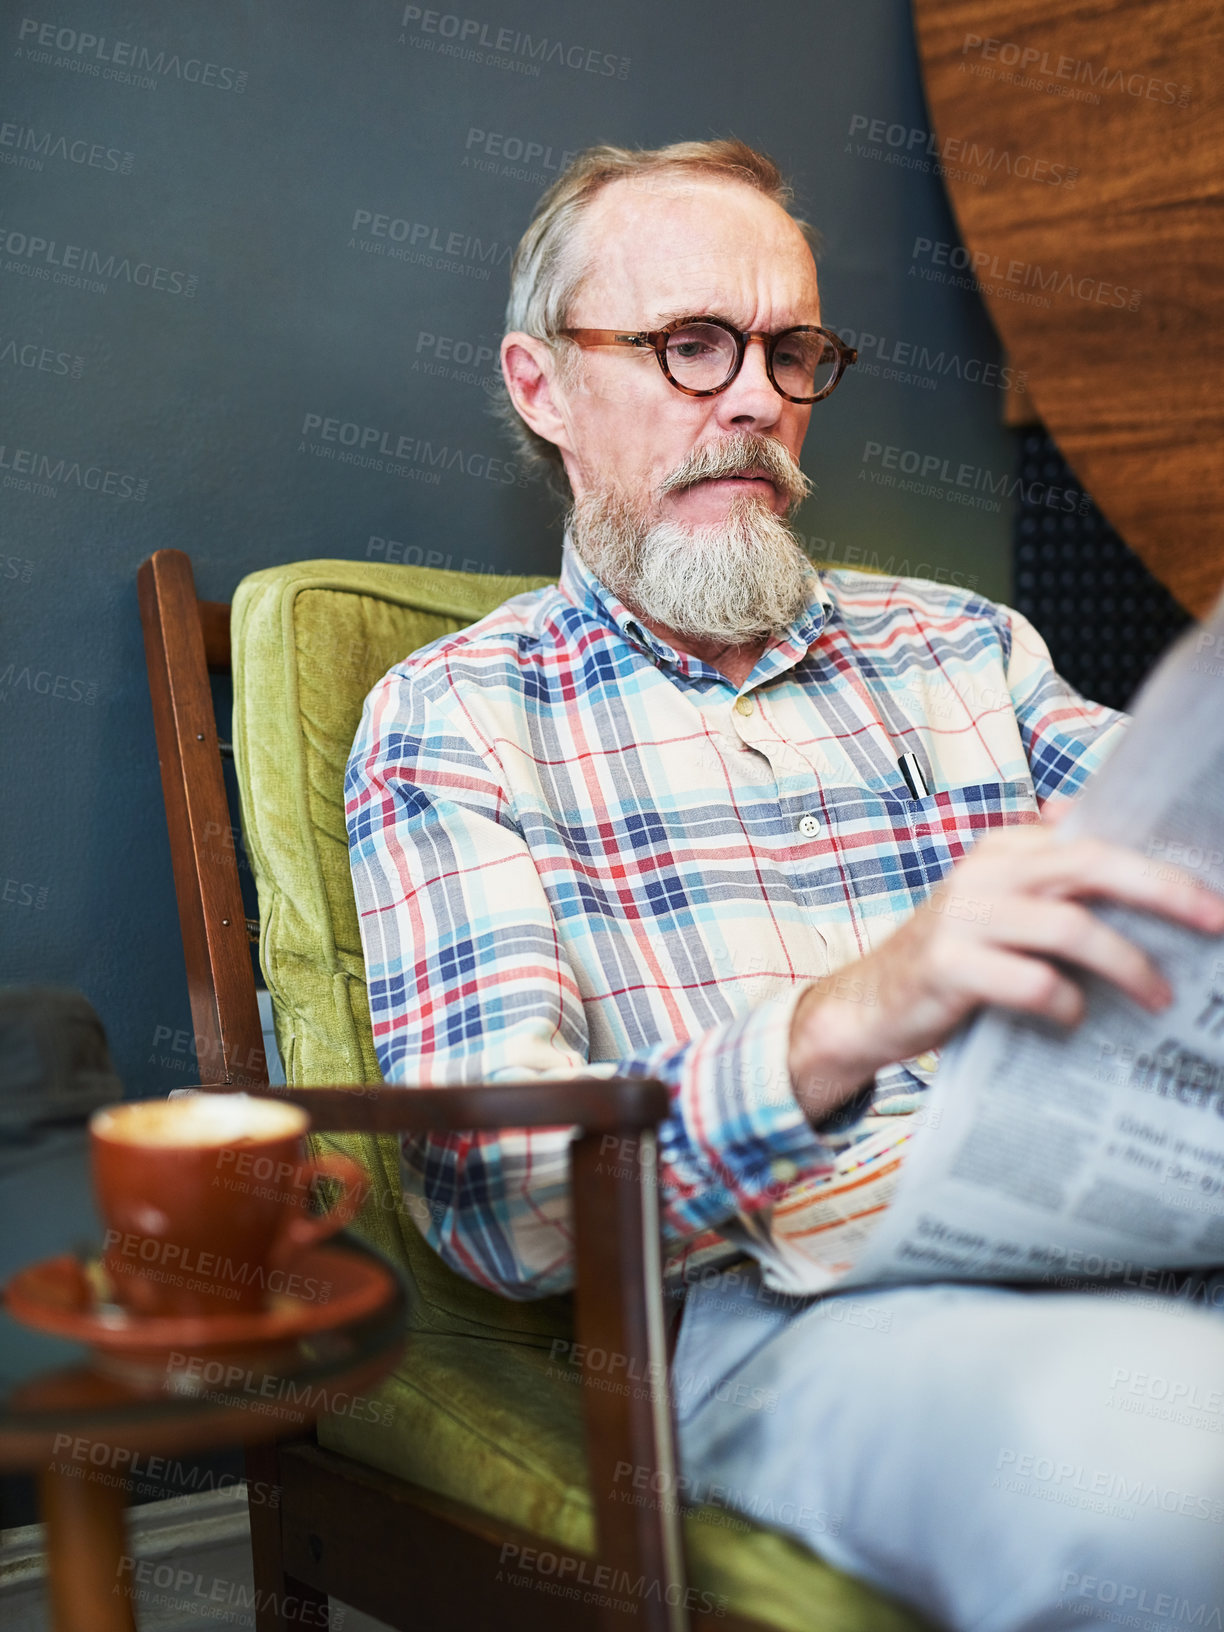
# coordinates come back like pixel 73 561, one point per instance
pixel 385 1546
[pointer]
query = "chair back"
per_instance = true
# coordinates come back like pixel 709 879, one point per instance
pixel 305 645
pixel 187 640
pixel 310 640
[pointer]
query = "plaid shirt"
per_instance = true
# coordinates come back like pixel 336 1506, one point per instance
pixel 577 851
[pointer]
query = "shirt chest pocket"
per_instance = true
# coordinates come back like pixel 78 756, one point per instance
pixel 946 825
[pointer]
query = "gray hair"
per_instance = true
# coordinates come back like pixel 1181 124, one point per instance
pixel 549 266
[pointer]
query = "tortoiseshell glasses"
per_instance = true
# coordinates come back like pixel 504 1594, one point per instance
pixel 702 355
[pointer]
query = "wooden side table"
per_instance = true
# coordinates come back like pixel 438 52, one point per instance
pixel 64 1417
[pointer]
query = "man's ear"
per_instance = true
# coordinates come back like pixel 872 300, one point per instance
pixel 529 370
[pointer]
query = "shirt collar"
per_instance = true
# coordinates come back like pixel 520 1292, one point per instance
pixel 579 586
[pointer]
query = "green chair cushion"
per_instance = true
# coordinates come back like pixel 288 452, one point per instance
pixel 498 1425
pixel 477 1409
pixel 310 640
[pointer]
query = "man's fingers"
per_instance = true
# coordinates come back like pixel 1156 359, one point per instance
pixel 1063 929
pixel 1028 984
pixel 1093 869
pixel 1056 810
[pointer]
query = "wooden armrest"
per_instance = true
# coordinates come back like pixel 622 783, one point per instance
pixel 620 1347
pixel 622 1353
pixel 596 1105
pixel 621 1344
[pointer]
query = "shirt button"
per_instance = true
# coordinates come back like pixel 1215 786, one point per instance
pixel 927 1061
pixel 809 825
pixel 784 1170
pixel 743 705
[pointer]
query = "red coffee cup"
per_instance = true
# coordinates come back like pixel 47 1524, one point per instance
pixel 205 1198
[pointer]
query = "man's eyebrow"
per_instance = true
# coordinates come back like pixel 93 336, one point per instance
pixel 685 311
pixel 665 318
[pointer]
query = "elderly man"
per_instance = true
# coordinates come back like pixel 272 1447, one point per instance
pixel 674 816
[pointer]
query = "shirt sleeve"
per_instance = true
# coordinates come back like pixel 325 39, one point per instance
pixel 468 981
pixel 1065 737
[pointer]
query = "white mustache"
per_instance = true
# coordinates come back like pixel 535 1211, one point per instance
pixel 741 455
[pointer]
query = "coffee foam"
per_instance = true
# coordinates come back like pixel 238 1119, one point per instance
pixel 200 1119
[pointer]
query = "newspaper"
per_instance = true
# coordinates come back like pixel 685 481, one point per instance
pixel 1056 1155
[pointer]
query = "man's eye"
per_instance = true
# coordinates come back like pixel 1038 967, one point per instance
pixel 796 354
pixel 689 350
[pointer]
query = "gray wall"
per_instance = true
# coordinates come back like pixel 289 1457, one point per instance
pixel 226 225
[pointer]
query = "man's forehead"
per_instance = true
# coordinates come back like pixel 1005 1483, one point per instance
pixel 673 244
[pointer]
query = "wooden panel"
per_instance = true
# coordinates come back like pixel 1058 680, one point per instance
pixel 1082 147
pixel 619 1319
pixel 417 1560
pixel 413 1559
pixel 220 981
pixel 215 628
pixel 275 1589
pixel 86 1545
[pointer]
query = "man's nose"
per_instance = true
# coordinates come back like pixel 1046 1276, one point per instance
pixel 750 401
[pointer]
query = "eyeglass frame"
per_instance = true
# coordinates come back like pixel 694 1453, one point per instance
pixel 656 340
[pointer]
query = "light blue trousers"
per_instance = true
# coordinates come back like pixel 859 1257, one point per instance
pixel 999 1459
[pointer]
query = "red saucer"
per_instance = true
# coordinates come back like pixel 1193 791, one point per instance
pixel 337 1285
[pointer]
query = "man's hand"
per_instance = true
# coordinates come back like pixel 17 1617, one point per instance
pixel 987 934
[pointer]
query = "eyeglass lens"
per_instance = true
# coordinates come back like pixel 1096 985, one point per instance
pixel 702 356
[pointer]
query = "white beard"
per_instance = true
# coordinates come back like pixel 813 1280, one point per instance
pixel 732 583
